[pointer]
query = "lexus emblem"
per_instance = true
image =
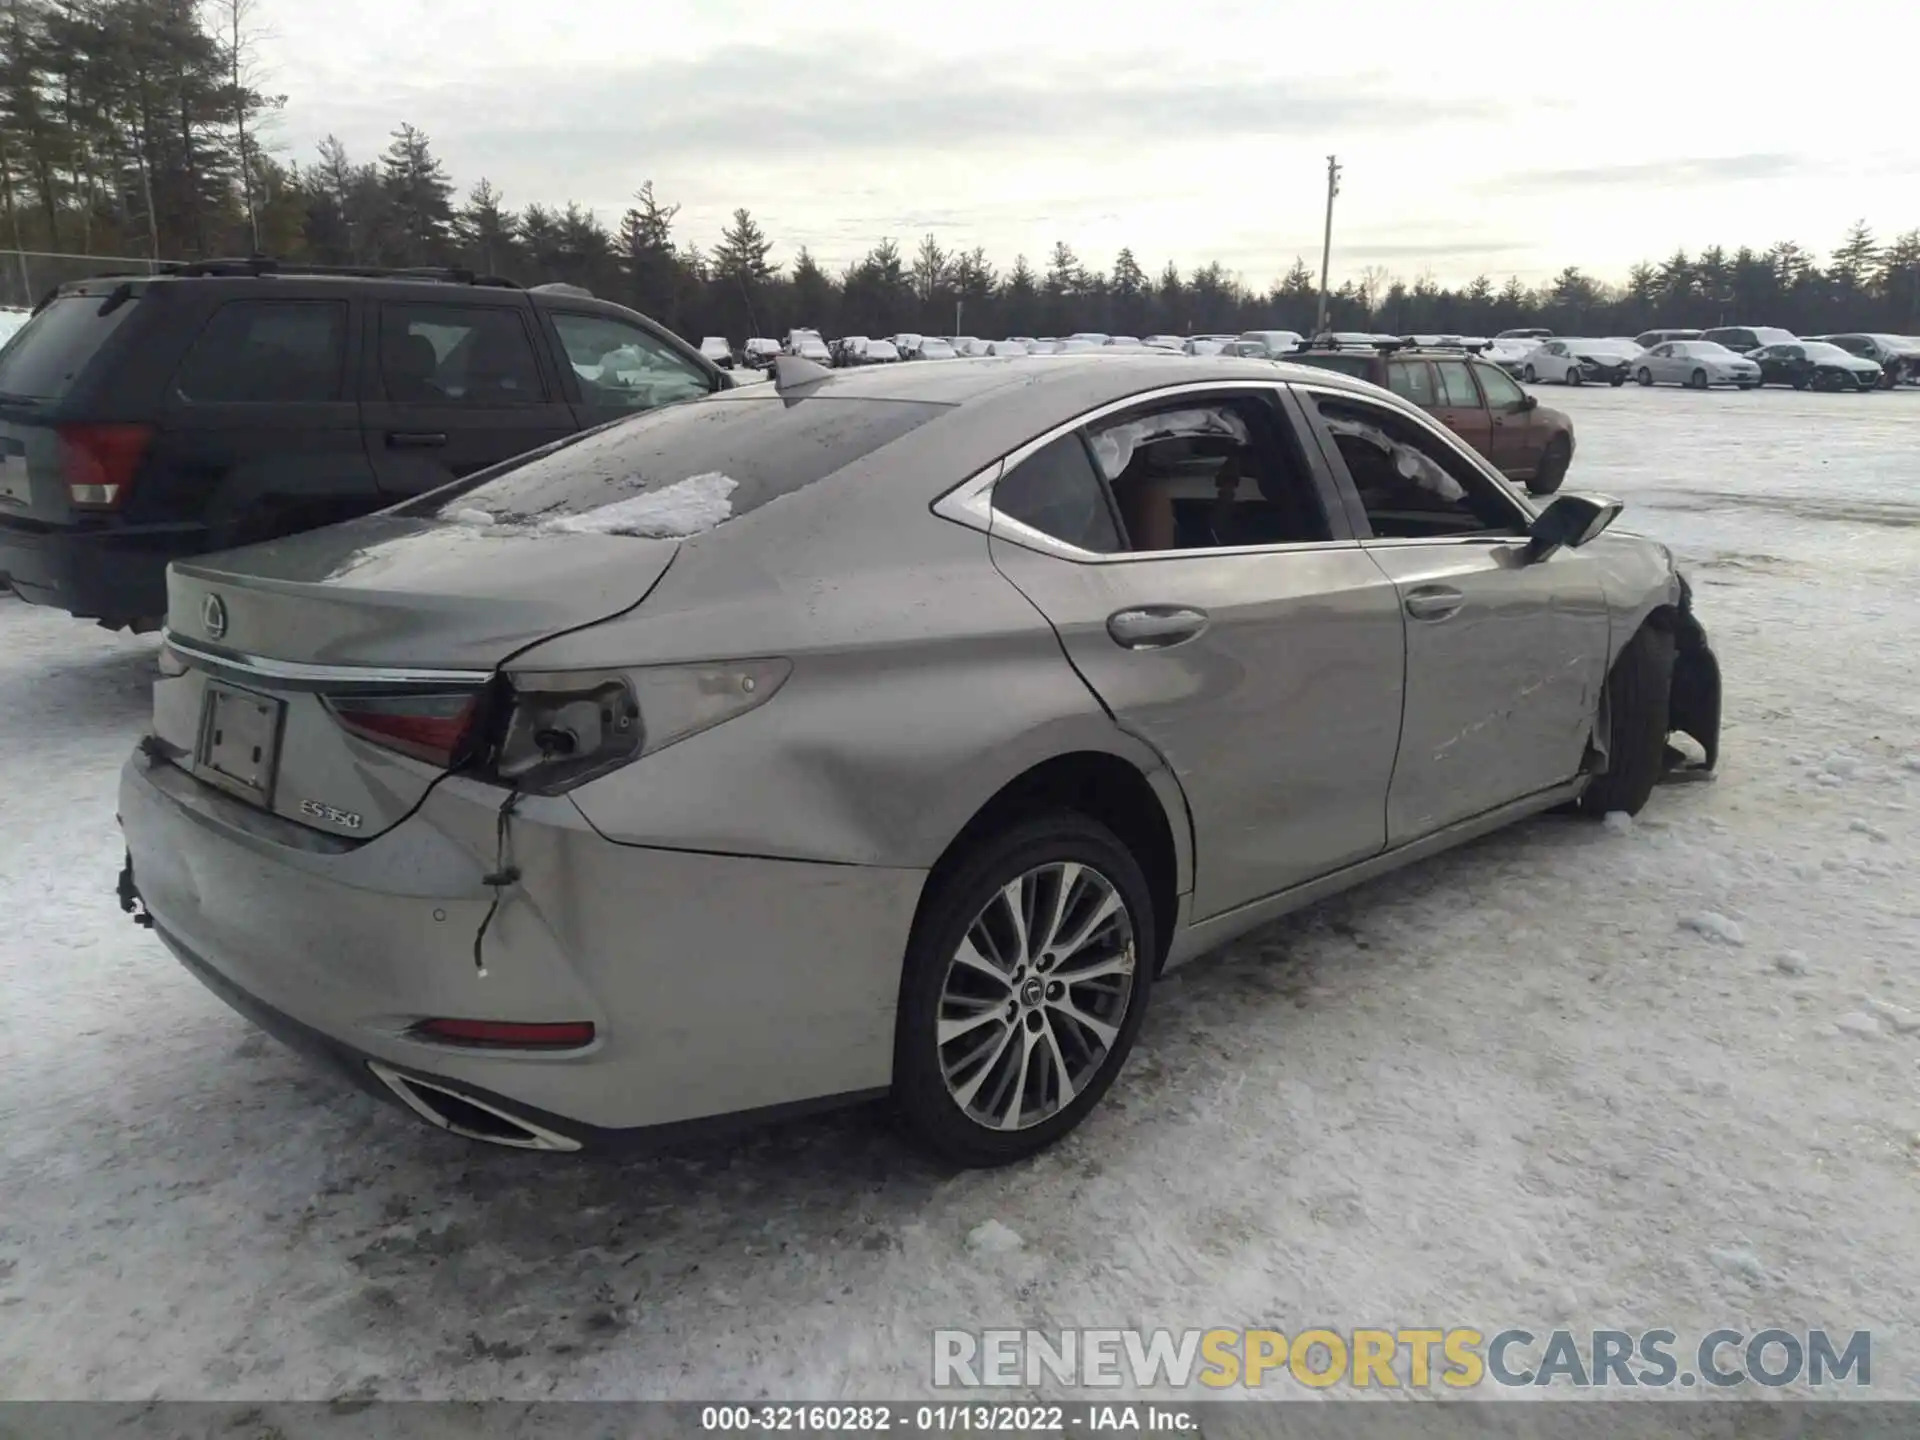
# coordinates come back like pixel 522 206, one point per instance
pixel 213 616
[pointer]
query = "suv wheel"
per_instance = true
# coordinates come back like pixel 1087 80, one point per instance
pixel 1552 469
pixel 1025 983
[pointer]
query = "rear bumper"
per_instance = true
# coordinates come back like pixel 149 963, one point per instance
pixel 115 574
pixel 718 985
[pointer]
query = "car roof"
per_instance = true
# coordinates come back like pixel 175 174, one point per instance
pixel 1099 377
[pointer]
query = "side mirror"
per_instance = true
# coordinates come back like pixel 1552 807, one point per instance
pixel 1529 402
pixel 1571 520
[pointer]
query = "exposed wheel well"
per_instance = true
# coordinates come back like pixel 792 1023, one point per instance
pixel 1103 788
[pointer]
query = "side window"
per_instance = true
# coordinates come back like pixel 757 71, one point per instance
pixel 267 351
pixel 1662 351
pixel 1413 484
pixel 623 367
pixel 1456 385
pixel 1411 380
pixel 457 355
pixel 1204 473
pixel 1057 491
pixel 1502 393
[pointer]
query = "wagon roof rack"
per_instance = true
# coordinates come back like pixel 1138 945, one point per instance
pixel 262 265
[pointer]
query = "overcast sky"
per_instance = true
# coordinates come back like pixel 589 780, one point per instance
pixel 1509 139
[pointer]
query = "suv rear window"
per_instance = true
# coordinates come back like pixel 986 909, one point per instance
pixel 47 356
pixel 766 447
pixel 267 350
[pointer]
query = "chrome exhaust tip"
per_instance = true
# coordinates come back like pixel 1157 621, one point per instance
pixel 461 1114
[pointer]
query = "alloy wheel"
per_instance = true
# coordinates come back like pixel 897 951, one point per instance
pixel 1035 995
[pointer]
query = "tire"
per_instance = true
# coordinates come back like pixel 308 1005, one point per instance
pixel 1551 472
pixel 1800 382
pixel 1527 375
pixel 1574 377
pixel 1643 376
pixel 967 906
pixel 1698 380
pixel 1638 692
pixel 1618 381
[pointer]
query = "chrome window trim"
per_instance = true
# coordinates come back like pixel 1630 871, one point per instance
pixel 1501 483
pixel 970 503
pixel 262 668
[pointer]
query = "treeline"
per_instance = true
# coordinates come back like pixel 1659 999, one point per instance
pixel 132 128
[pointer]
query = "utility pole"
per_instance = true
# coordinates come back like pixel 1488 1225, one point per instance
pixel 1326 247
pixel 959 309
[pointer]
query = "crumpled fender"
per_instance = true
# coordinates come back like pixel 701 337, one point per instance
pixel 1693 706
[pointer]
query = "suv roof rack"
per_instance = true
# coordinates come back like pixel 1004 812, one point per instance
pixel 268 265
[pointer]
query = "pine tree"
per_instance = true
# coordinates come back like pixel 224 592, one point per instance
pixel 1856 262
pixel 420 196
pixel 646 250
pixel 741 255
pixel 488 232
pixel 932 267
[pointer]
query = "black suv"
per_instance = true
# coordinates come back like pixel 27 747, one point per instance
pixel 143 419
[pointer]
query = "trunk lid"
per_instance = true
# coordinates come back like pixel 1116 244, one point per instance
pixel 278 640
pixel 413 593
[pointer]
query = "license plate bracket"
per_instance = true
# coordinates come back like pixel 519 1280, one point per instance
pixel 239 746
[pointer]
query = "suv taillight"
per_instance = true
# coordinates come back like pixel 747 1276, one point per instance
pixel 98 462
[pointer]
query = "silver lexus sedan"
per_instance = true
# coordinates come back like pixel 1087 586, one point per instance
pixel 872 732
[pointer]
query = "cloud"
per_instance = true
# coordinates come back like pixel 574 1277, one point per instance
pixel 761 102
pixel 1436 250
pixel 1705 170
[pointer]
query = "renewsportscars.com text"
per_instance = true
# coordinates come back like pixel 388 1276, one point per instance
pixel 1413 1358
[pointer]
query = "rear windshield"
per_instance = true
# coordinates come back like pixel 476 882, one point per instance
pixel 733 454
pixel 46 357
pixel 1358 366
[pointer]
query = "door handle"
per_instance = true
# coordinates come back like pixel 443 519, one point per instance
pixel 1155 627
pixel 1433 602
pixel 416 439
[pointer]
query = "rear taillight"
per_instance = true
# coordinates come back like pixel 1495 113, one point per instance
pixel 564 729
pixel 509 1034
pixel 98 462
pixel 431 727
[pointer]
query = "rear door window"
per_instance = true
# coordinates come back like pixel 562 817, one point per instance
pixel 1411 380
pixel 736 452
pixel 457 355
pixel 258 351
pixel 43 360
pixel 1057 491
pixel 1456 385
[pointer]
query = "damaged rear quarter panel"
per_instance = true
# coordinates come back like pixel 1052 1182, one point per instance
pixel 922 683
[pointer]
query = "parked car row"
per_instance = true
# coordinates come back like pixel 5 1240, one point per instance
pixel 1743 356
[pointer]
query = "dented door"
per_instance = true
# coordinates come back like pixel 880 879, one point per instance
pixel 1505 662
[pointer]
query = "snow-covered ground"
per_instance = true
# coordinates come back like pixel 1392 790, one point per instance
pixel 1583 1075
